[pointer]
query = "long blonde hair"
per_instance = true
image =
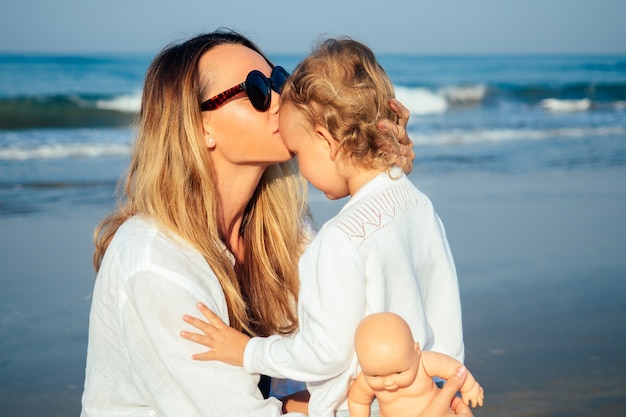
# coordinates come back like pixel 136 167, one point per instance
pixel 342 87
pixel 170 179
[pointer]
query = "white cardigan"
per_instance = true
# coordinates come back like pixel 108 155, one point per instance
pixel 385 251
pixel 137 362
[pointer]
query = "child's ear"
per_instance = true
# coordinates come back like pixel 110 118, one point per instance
pixel 416 346
pixel 331 143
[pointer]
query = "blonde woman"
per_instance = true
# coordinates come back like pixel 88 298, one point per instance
pixel 211 208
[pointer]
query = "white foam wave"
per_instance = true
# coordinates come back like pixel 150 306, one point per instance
pixel 619 105
pixel 58 151
pixel 421 100
pixel 452 136
pixel 556 105
pixel 465 94
pixel 129 103
pixel 506 135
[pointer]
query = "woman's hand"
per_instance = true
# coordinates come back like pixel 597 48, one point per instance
pixel 446 403
pixel 225 343
pixel 404 150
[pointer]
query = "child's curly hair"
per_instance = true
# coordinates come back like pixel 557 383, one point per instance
pixel 342 87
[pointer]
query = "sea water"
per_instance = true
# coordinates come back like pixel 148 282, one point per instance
pixel 529 153
pixel 65 121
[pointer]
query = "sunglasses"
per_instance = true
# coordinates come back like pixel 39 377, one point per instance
pixel 257 86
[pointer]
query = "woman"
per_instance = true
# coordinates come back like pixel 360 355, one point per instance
pixel 211 210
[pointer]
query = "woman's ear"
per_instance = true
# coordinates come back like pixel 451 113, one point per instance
pixel 331 143
pixel 209 141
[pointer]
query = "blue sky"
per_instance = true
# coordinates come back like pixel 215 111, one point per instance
pixel 389 26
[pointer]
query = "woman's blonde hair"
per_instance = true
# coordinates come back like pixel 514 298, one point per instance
pixel 342 87
pixel 170 179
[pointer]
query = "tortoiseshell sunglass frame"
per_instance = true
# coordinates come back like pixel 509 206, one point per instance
pixel 275 82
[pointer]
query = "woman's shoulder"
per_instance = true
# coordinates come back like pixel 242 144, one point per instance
pixel 138 234
pixel 142 241
pixel 142 246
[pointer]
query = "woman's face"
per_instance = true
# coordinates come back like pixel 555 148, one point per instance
pixel 241 135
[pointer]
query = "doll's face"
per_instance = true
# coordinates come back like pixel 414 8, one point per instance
pixel 391 372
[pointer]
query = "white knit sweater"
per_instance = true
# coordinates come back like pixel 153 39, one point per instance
pixel 385 251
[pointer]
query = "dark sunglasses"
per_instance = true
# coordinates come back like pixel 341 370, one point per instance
pixel 257 86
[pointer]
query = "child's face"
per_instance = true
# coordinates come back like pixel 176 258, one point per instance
pixel 313 153
pixel 390 372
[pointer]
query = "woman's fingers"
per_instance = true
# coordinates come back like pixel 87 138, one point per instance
pixel 402 112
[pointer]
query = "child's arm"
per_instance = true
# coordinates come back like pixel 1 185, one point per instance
pixel 323 346
pixel 360 398
pixel 444 366
pixel 225 343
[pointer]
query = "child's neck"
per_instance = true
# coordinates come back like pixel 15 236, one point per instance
pixel 359 177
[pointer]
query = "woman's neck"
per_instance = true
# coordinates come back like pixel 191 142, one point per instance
pixel 235 189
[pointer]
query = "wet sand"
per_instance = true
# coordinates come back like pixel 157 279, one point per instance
pixel 541 265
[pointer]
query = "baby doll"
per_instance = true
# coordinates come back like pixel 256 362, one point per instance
pixel 397 372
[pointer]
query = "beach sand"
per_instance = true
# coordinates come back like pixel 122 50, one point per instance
pixel 541 266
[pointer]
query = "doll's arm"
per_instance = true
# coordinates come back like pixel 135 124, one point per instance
pixel 444 366
pixel 360 398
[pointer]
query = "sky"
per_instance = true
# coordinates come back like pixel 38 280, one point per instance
pixel 281 26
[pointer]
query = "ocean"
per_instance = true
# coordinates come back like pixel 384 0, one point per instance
pixel 524 157
pixel 65 120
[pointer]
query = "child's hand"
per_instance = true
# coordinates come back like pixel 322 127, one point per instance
pixel 474 396
pixel 225 343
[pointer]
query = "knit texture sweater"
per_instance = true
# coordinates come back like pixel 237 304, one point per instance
pixel 385 251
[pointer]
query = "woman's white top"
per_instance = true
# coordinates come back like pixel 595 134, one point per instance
pixel 137 362
pixel 385 251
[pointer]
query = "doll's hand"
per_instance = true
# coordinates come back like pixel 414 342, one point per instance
pixel 474 396
pixel 403 152
pixel 225 343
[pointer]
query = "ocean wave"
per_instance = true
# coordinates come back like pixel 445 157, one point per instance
pixel 421 101
pixel 556 105
pixel 72 111
pixel 536 93
pixel 129 103
pixel 106 145
pixel 565 98
pixel 465 94
pixel 56 185
pixel 116 110
pixel 619 105
pixel 59 151
pixel 460 136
